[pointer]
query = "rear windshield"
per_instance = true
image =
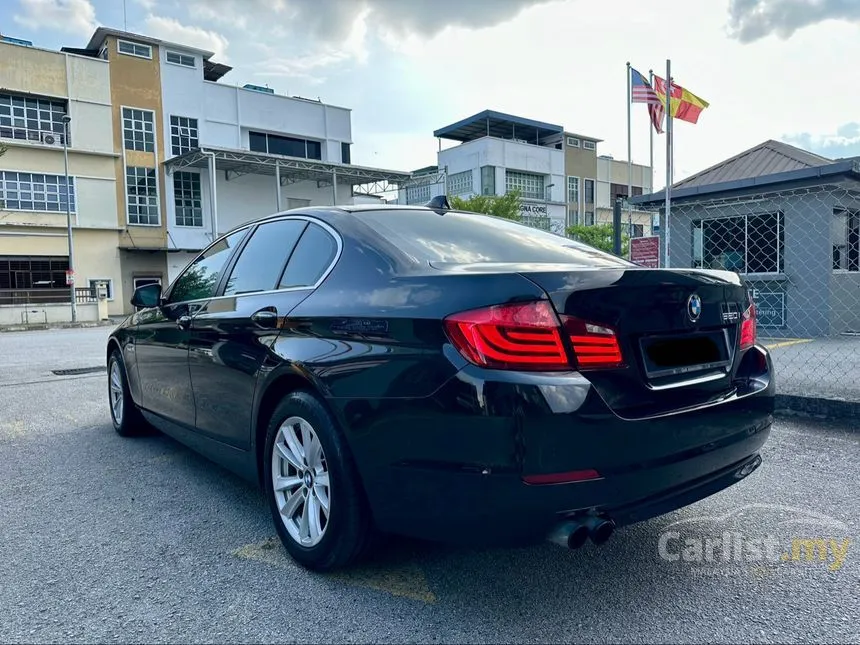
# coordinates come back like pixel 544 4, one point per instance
pixel 468 238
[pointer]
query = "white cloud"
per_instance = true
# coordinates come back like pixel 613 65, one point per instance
pixel 844 142
pixel 235 13
pixel 72 16
pixel 310 66
pixel 172 30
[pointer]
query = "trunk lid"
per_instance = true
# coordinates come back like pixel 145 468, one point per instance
pixel 678 330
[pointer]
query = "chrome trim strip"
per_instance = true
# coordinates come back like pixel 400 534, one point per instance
pixel 693 381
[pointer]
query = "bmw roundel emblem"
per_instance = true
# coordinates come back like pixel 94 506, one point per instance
pixel 694 307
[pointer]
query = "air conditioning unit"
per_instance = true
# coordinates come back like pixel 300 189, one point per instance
pixel 48 138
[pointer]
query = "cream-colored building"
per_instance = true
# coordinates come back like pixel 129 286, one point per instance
pixel 612 183
pixel 39 91
pixel 137 133
pixel 595 181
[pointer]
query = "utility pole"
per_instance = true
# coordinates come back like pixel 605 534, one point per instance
pixel 71 273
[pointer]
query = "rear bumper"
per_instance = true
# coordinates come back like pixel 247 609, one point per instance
pixel 451 467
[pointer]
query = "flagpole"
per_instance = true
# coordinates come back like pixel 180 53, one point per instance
pixel 651 137
pixel 669 148
pixel 629 151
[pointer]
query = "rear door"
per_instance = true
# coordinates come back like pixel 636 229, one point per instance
pixel 231 335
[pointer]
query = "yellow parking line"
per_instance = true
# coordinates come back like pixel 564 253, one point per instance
pixel 788 343
pixel 404 579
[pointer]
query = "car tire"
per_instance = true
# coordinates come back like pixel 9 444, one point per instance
pixel 125 415
pixel 308 481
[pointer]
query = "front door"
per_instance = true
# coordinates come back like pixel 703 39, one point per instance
pixel 162 335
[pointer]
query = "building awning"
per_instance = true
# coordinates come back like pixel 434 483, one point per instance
pixel 290 169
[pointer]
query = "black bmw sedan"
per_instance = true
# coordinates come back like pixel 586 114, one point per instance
pixel 446 375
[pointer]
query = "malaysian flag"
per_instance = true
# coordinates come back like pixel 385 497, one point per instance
pixel 642 92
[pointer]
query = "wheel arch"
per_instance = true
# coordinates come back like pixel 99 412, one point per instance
pixel 113 345
pixel 276 387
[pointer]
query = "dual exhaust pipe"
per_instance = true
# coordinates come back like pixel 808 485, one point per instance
pixel 574 532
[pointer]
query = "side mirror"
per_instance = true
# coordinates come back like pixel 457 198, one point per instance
pixel 148 295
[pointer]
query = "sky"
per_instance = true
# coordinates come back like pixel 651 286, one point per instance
pixel 770 69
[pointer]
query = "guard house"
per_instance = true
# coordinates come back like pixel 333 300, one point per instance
pixel 786 219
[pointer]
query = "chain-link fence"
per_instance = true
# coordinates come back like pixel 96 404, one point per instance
pixel 799 250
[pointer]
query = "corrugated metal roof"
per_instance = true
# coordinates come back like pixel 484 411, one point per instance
pixel 768 158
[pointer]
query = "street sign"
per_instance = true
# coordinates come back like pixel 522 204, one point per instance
pixel 645 251
pixel 70 278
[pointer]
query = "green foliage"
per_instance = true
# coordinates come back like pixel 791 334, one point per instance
pixel 194 284
pixel 507 206
pixel 3 149
pixel 600 236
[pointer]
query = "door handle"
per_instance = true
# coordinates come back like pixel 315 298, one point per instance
pixel 267 318
pixel 184 322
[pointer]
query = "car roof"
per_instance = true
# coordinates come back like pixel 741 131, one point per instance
pixel 326 213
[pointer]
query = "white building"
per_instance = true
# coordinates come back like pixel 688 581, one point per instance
pixel 228 147
pixel 499 153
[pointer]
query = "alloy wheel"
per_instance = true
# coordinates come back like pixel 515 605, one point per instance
pixel 117 394
pixel 300 480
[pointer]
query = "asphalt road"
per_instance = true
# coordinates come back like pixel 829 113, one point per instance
pixel 111 539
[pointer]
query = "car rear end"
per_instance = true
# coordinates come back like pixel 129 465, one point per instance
pixel 613 392
pixel 670 401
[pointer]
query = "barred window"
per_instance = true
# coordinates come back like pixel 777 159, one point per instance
pixel 183 135
pixel 460 183
pixel 846 239
pixel 33 272
pixel 529 185
pixel 418 194
pixel 573 216
pixel 187 199
pixel 142 196
pixel 573 190
pixel 26 191
pixel 138 129
pixel 589 218
pixel 744 243
pixel 32 119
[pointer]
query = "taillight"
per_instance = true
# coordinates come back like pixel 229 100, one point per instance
pixel 595 346
pixel 748 327
pixel 522 336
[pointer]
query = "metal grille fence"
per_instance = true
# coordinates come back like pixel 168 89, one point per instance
pixel 799 250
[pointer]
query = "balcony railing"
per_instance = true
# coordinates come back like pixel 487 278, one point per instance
pixel 25 297
pixel 45 137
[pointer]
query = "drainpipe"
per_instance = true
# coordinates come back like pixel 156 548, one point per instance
pixel 213 192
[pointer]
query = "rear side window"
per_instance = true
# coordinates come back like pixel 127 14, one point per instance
pixel 261 261
pixel 468 238
pixel 311 258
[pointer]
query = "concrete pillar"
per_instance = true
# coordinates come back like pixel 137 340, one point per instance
pixel 278 186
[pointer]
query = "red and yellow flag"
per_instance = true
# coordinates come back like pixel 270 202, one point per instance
pixel 683 104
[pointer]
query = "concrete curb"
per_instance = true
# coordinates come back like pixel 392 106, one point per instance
pixel 791 405
pixel 82 325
